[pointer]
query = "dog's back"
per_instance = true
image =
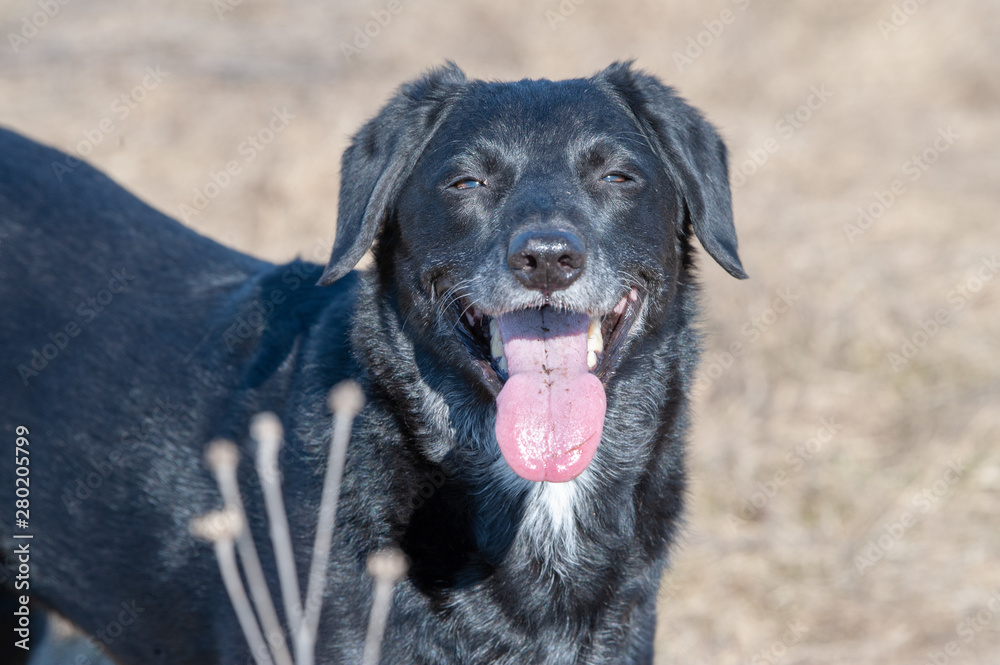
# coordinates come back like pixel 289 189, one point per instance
pixel 87 265
pixel 107 305
pixel 131 341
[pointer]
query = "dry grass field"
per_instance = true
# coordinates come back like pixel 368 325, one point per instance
pixel 845 495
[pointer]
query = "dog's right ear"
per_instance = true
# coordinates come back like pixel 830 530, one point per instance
pixel 379 159
pixel 692 152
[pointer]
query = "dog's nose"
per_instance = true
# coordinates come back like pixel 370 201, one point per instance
pixel 546 261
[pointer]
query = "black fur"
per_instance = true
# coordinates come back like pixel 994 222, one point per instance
pixel 202 337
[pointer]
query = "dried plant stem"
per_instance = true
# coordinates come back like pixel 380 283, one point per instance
pixel 221 527
pixel 229 526
pixel 223 457
pixel 387 567
pixel 266 429
pixel 346 400
pixel 226 555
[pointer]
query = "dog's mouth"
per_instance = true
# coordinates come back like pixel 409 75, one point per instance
pixel 606 334
pixel 548 368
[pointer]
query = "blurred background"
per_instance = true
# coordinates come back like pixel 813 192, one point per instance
pixel 845 469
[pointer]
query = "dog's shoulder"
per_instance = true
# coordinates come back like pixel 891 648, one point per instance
pixel 290 309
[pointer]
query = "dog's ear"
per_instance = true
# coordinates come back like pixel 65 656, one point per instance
pixel 692 152
pixel 381 156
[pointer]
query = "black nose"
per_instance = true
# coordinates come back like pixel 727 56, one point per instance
pixel 546 260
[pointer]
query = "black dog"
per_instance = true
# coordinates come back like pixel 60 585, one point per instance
pixel 525 340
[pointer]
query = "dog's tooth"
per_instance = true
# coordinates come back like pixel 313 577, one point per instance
pixel 591 359
pixel 496 341
pixel 595 340
pixel 496 347
pixel 502 363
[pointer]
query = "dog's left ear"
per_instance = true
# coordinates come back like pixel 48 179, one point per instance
pixel 692 152
pixel 381 156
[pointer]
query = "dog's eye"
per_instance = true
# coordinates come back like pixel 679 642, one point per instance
pixel 616 177
pixel 468 183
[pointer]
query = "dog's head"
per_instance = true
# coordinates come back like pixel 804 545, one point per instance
pixel 530 231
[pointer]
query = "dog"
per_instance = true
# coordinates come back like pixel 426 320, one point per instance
pixel 526 340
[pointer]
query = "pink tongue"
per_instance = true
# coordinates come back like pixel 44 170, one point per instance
pixel 550 413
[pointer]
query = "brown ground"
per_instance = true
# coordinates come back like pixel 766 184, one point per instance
pixel 750 565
